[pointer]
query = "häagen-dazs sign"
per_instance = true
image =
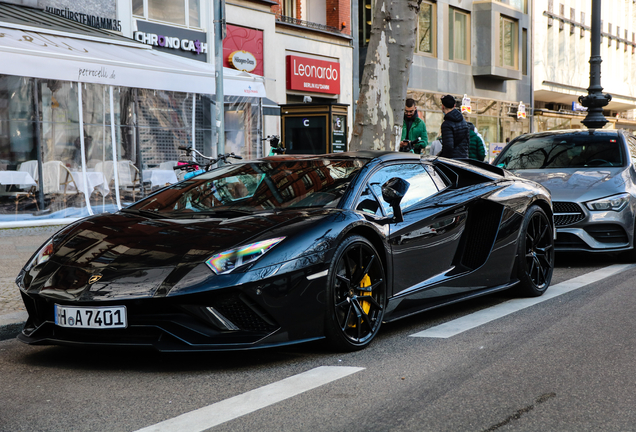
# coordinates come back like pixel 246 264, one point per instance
pixel 242 60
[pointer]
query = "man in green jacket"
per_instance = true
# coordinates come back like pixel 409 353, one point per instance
pixel 412 129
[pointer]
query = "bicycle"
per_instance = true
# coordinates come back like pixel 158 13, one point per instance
pixel 190 168
pixel 276 146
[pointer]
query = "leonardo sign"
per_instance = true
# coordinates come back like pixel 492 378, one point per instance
pixel 311 75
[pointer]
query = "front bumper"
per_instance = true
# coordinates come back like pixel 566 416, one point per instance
pixel 581 230
pixel 276 311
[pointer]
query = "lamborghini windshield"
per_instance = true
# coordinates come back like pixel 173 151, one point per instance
pixel 563 151
pixel 256 186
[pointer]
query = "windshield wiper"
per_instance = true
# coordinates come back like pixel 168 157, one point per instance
pixel 147 213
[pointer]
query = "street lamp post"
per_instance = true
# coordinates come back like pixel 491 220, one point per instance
pixel 219 27
pixel 595 99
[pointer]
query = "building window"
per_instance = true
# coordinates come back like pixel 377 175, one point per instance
pixel 521 5
pixel 138 7
pixel 182 12
pixel 316 11
pixel 289 8
pixel 459 36
pixel 508 43
pixel 426 28
pixel 524 51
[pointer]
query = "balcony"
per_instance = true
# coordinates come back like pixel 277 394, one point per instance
pixel 308 25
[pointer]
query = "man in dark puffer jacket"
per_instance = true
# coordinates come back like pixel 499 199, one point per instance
pixel 455 133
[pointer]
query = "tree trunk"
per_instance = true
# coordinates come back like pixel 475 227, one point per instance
pixel 380 107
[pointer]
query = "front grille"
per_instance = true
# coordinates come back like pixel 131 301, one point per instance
pixel 567 213
pixel 244 313
pixel 607 233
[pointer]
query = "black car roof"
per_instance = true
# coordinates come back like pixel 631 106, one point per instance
pixel 575 132
pixel 362 154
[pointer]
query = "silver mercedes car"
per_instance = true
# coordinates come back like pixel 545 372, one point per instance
pixel 591 176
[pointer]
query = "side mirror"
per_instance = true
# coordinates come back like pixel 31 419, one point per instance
pixel 392 192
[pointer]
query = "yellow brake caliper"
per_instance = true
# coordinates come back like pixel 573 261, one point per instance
pixel 366 306
pixel 364 283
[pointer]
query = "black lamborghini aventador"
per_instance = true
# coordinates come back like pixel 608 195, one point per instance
pixel 289 249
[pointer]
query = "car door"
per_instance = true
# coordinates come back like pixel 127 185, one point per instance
pixel 424 243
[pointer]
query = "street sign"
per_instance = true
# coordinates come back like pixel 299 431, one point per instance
pixel 521 111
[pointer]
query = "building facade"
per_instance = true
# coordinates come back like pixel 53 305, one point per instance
pixel 561 62
pixel 304 50
pixel 477 51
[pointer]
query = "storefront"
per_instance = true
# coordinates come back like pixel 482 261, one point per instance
pixel 314 129
pixel 91 121
pixel 319 124
pixel 264 37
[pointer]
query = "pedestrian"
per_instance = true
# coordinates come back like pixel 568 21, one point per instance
pixel 476 146
pixel 412 129
pixel 455 131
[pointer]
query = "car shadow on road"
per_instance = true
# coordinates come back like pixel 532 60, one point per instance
pixel 151 361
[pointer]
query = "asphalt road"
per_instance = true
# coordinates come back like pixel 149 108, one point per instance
pixel 566 364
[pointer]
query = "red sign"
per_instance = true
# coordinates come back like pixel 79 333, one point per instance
pixel 311 75
pixel 243 39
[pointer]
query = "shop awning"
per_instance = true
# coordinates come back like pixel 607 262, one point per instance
pixel 44 54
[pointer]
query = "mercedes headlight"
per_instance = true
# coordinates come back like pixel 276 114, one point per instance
pixel 227 261
pixel 615 203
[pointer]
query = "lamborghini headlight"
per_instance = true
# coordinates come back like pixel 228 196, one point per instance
pixel 615 203
pixel 227 261
pixel 42 255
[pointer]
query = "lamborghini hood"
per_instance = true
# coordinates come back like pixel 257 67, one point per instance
pixel 120 255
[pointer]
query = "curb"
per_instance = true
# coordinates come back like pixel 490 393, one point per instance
pixel 11 324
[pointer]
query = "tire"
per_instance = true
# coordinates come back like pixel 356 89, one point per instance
pixel 535 253
pixel 356 294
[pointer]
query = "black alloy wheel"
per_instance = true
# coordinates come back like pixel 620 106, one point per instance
pixel 535 253
pixel 357 295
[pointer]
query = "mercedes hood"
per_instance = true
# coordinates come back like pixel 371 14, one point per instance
pixel 578 184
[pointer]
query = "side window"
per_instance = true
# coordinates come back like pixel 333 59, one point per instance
pixel 368 204
pixel 437 177
pixel 421 186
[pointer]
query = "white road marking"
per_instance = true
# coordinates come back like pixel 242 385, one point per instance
pixel 229 409
pixel 484 316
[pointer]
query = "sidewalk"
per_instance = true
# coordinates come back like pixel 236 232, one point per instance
pixel 16 247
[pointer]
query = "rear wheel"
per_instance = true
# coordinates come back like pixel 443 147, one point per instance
pixel 356 295
pixel 535 253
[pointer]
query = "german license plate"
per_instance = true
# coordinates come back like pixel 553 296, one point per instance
pixel 99 317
